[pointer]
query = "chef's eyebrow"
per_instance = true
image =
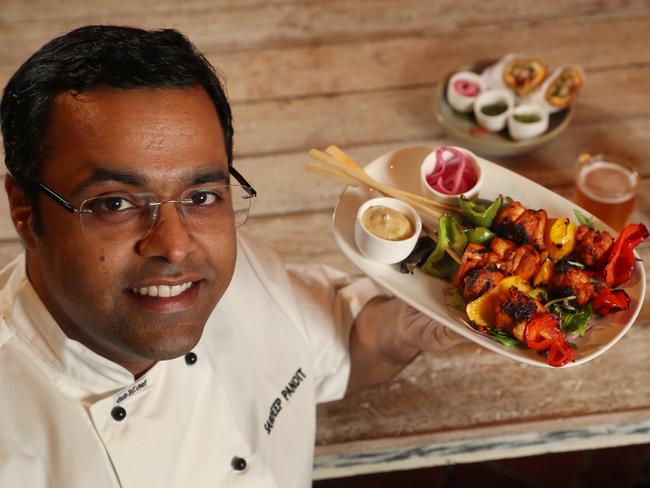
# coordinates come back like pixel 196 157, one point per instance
pixel 100 175
pixel 211 176
pixel 130 178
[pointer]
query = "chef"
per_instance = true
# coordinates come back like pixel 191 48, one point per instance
pixel 145 340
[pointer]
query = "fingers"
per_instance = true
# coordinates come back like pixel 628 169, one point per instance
pixel 420 330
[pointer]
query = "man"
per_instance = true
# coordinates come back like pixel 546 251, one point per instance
pixel 144 342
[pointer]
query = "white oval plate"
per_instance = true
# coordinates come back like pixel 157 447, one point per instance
pixel 400 169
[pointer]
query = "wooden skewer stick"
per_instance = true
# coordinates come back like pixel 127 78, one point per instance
pixel 343 158
pixel 339 155
pixel 454 255
pixel 363 177
pixel 429 201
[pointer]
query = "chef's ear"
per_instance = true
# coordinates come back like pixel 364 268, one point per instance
pixel 21 210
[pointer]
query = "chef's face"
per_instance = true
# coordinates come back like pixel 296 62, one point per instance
pixel 163 141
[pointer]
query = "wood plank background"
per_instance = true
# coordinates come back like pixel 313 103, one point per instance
pixel 361 74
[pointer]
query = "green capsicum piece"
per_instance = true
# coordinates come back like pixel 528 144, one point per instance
pixel 444 268
pixel 479 235
pixel 477 214
pixel 450 236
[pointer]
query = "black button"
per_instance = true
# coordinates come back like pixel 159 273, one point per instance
pixel 190 358
pixel 118 414
pixel 238 463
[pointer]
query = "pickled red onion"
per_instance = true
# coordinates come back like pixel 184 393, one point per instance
pixel 467 88
pixel 453 176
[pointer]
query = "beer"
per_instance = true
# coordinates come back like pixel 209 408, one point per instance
pixel 607 189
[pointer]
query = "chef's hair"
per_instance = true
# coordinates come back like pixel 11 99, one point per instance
pixel 94 56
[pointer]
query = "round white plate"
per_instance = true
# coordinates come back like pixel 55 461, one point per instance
pixel 400 169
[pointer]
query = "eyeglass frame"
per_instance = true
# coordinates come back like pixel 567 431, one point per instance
pixel 72 209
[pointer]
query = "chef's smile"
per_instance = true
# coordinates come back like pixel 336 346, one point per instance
pixel 166 297
pixel 162 291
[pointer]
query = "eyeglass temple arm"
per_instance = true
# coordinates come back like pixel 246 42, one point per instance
pixel 242 181
pixel 57 198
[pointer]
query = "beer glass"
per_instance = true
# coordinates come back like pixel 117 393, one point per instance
pixel 606 186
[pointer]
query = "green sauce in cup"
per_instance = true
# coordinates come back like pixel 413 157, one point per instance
pixel 527 118
pixel 494 108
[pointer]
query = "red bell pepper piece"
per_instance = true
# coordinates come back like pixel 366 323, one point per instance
pixel 620 261
pixel 542 330
pixel 609 301
pixel 559 354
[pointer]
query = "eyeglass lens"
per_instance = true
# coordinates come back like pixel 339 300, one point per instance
pixel 121 216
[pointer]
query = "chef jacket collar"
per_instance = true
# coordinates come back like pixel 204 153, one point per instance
pixel 76 369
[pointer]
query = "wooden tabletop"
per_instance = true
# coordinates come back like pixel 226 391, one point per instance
pixel 361 74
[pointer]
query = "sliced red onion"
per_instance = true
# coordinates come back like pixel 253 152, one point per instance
pixel 453 176
pixel 467 88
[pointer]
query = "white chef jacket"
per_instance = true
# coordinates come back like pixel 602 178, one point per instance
pixel 274 346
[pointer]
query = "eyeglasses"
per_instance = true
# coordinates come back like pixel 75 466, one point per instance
pixel 124 215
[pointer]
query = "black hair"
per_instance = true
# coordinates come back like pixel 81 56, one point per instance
pixel 94 56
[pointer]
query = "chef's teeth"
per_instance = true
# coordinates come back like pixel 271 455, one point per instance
pixel 163 291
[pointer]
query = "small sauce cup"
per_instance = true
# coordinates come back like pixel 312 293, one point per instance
pixel 527 121
pixel 383 250
pixel 493 122
pixel 460 101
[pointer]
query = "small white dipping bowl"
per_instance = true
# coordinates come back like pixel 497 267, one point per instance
pixel 457 100
pixel 493 123
pixel 383 250
pixel 429 164
pixel 520 131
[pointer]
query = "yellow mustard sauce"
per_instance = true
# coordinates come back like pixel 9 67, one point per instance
pixel 387 223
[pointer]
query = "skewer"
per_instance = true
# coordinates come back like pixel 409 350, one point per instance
pixel 340 156
pixel 363 177
pixel 352 170
pixel 454 255
pixel 343 159
pixel 339 176
pixel 343 178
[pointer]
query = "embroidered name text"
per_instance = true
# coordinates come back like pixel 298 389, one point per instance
pixel 287 391
pixel 131 391
pixel 293 384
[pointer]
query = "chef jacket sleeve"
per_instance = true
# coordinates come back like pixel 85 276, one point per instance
pixel 329 301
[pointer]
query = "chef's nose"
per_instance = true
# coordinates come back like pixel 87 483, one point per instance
pixel 169 238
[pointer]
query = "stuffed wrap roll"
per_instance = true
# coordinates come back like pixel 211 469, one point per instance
pixel 517 73
pixel 559 90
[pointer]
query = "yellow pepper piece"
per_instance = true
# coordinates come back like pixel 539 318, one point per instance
pixel 482 312
pixel 560 237
pixel 543 276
